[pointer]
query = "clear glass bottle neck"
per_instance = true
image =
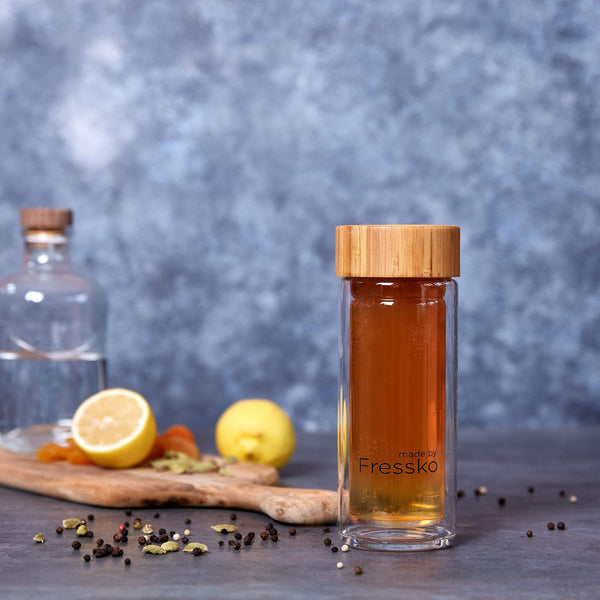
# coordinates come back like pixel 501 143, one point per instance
pixel 46 249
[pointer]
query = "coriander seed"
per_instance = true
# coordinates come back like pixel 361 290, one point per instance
pixel 339 565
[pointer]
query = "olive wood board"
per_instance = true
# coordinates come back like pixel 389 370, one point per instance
pixel 250 486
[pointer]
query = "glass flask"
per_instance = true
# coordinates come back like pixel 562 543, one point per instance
pixel 52 336
pixel 397 404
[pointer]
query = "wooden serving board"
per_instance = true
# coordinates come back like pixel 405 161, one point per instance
pixel 250 487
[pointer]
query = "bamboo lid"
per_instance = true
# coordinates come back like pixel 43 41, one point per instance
pixel 397 251
pixel 46 218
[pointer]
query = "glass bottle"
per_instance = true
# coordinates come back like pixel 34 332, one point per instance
pixel 52 336
pixel 397 405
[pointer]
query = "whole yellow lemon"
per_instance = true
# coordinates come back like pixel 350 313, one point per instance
pixel 256 430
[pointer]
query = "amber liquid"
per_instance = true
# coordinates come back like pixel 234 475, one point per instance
pixel 397 398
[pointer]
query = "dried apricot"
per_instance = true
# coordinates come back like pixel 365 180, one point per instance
pixel 76 456
pixel 51 452
pixel 180 431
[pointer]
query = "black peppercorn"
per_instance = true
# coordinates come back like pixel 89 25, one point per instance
pixel 172 533
pixel 156 515
pixel 550 526
pixel 154 539
pixel 232 517
pixel 531 490
pixel 161 531
pixel 221 543
pixel 264 535
pixel 165 538
pixel 117 537
pixel 126 523
pixel 269 526
pixel 125 531
pixel 327 542
pixel 248 539
pixel 236 545
pixel 358 571
pixel 89 534
pixel 185 539
pixel 116 551
pixel 90 517
pixel 501 501
pixel 273 531
pixel 530 533
pixel 128 512
pixel 460 493
pixel 561 493
pixel 274 538
pixel 99 542
pixel 334 549
pixel 188 521
pixel 238 535
pixel 326 530
pixel 127 561
pixel 87 557
pixel 561 525
pixel 223 531
pixel 59 530
pixel 196 552
pixel 141 540
pixel 292 531
pixel 76 544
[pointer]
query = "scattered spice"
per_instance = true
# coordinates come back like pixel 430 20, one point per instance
pixel 550 526
pixel 460 493
pixel 339 565
pixel 334 549
pixel 164 538
pixel 358 571
pixel 59 530
pixel 232 517
pixel 117 552
pixel 560 525
pixel 128 512
pixel 531 490
pixel 269 526
pixel 273 532
pixel 193 546
pixel 224 528
pixel 236 545
pixel 529 533
pixel 39 538
pixel 82 531
pixel 141 540
pixel 326 530
pixel 573 499
pixel 156 515
pixel 123 529
pixel 161 531
pixel 327 542
pixel 561 493
pixel 480 491
pixel 188 521
pixel 292 531
pixel 90 534
pixel 154 539
pixel 186 532
pixel 76 544
pixel 238 536
pixel 87 557
pixel 221 543
pixel 99 542
pixel 153 549
pixel 180 463
pixel 274 538
pixel 264 535
pixel 176 536
pixel 117 537
pixel 147 528
pixel 345 547
pixel 185 539
pixel 71 523
pixel 249 538
pixel 501 501
pixel 127 561
pixel 170 546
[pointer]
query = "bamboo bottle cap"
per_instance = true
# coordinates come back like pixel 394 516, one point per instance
pixel 397 251
pixel 46 218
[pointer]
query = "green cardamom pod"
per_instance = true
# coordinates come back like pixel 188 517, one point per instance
pixel 81 531
pixel 228 527
pixel 147 528
pixel 170 546
pixel 71 523
pixel 39 538
pixel 193 545
pixel 153 549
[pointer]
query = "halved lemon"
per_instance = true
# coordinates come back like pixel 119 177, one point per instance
pixel 115 428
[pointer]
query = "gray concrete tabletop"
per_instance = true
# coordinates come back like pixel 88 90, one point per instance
pixel 493 558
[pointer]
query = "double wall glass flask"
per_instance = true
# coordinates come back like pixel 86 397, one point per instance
pixel 397 402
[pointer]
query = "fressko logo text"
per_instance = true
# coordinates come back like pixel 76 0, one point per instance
pixel 413 463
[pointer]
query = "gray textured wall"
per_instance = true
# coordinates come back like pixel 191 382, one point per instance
pixel 209 148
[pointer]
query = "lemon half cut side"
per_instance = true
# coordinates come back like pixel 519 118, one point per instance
pixel 115 428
